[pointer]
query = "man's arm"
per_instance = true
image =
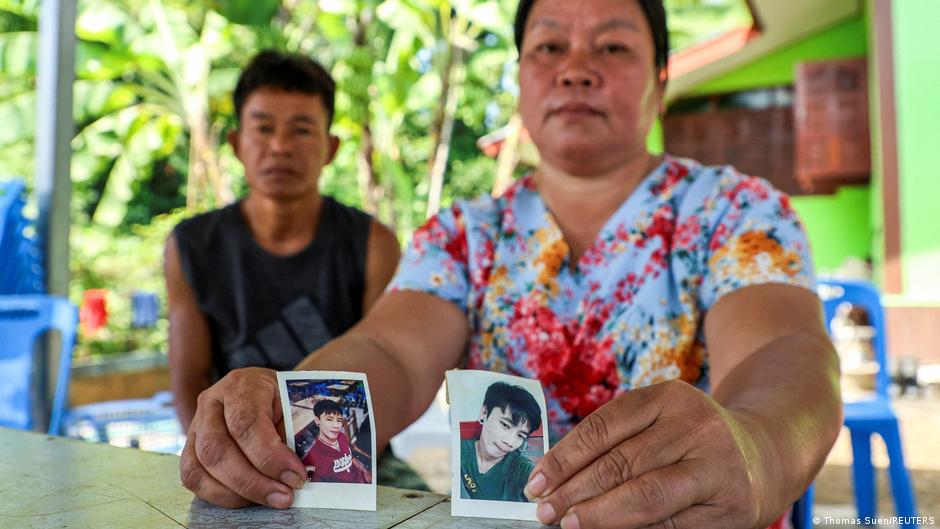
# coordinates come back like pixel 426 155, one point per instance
pixel 234 455
pixel 190 350
pixel 382 255
pixel 669 455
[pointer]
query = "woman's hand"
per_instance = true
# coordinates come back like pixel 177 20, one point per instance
pixel 662 456
pixel 234 455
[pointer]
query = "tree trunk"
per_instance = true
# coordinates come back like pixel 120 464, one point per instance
pixel 444 129
pixel 205 177
pixel 508 156
pixel 367 179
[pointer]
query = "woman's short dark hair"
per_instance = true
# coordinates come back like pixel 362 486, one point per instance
pixel 655 15
pixel 519 403
pixel 290 72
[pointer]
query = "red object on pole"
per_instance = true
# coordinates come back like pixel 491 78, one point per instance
pixel 94 312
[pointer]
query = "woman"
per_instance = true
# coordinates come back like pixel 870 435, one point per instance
pixel 630 285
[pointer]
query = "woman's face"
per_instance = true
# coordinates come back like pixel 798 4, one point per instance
pixel 589 91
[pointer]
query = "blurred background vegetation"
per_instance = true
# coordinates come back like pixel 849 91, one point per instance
pixel 419 82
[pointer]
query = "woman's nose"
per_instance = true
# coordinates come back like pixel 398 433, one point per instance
pixel 577 71
pixel 578 78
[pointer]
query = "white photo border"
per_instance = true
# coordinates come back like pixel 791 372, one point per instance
pixel 465 382
pixel 353 496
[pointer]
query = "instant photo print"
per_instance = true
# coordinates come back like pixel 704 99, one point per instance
pixel 328 424
pixel 498 424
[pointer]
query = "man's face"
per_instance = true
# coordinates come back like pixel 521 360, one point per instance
pixel 284 143
pixel 499 435
pixel 330 424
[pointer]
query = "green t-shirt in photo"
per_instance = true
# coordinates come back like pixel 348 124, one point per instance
pixel 504 482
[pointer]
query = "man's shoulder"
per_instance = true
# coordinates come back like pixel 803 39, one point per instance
pixel 204 224
pixel 346 212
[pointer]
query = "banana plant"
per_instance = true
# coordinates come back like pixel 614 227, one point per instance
pixel 151 79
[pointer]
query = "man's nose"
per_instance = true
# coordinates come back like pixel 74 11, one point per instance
pixel 280 143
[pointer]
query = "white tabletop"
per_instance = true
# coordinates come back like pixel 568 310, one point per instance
pixel 53 482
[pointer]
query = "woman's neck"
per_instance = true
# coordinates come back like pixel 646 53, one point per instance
pixel 582 204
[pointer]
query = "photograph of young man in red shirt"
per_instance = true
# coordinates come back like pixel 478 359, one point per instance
pixel 330 459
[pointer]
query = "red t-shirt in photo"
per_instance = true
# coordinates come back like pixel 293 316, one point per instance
pixel 331 465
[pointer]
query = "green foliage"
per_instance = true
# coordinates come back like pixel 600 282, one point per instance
pixel 153 106
pixel 693 21
pixel 122 263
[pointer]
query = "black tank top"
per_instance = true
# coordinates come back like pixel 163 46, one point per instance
pixel 270 311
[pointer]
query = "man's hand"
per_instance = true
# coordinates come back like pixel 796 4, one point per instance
pixel 662 456
pixel 234 455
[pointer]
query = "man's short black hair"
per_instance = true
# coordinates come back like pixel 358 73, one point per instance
pixel 290 72
pixel 327 406
pixel 655 15
pixel 520 404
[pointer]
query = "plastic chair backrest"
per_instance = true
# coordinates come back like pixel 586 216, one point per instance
pixel 865 296
pixel 23 319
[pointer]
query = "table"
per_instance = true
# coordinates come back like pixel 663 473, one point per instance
pixel 53 482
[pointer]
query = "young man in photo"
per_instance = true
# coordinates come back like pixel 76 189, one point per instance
pixel 492 466
pixel 330 458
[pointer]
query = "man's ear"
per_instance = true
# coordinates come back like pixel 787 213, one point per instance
pixel 483 413
pixel 316 420
pixel 334 148
pixel 232 138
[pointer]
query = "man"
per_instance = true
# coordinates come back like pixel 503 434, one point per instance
pixel 330 459
pixel 268 279
pixel 492 467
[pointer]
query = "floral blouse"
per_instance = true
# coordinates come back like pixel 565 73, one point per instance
pixel 630 312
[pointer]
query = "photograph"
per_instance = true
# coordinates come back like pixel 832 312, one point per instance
pixel 328 423
pixel 499 423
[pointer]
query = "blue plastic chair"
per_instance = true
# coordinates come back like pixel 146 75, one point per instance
pixel 873 415
pixel 23 319
pixel 21 270
pixel 802 515
pixel 149 424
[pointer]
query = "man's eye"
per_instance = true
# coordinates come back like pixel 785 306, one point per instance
pixel 548 47
pixel 265 129
pixel 303 131
pixel 613 48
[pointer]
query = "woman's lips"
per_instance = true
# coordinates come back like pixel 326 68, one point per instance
pixel 577 109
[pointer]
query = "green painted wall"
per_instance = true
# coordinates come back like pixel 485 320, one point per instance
pixel 846 39
pixel 917 85
pixel 839 226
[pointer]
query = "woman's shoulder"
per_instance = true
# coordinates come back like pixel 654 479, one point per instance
pixel 721 179
pixel 484 214
pixel 694 186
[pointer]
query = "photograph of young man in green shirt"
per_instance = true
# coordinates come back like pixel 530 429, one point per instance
pixel 492 465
